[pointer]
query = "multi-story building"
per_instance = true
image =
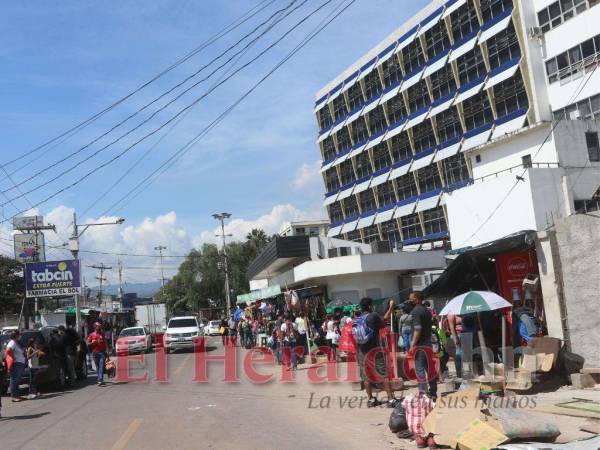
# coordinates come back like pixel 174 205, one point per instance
pixel 305 228
pixel 446 127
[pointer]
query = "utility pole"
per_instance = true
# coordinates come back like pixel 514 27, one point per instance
pixel 120 284
pixel 160 249
pixel 101 278
pixel 74 247
pixel 221 217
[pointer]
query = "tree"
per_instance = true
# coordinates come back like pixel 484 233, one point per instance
pixel 12 284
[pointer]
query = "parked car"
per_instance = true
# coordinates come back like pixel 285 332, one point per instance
pixel 9 329
pixel 134 340
pixel 212 329
pixel 180 333
pixel 51 370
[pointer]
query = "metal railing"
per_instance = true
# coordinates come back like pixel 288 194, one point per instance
pixel 542 165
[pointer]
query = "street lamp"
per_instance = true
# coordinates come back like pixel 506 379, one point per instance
pixel 74 248
pixel 160 249
pixel 222 217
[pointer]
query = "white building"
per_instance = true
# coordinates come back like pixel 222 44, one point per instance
pixel 305 228
pixel 473 120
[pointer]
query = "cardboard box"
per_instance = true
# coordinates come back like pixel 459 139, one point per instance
pixel 478 436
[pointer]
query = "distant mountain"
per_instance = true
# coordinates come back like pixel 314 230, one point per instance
pixel 141 289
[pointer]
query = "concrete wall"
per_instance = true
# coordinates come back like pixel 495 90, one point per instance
pixel 576 264
pixel 359 284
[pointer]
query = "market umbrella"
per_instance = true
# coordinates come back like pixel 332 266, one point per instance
pixel 475 302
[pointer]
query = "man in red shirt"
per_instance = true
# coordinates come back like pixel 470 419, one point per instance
pixel 97 342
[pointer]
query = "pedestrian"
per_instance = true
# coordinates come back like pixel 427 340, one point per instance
pixel 371 352
pixel 302 338
pixel 35 351
pixel 223 329
pixel 421 348
pixel 58 346
pixel 405 326
pixel 98 345
pixel 3 371
pixel 328 327
pixel 71 344
pixel 289 331
pixel 16 362
pixel 232 331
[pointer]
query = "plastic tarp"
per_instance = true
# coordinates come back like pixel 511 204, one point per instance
pixel 461 97
pixel 502 76
pixel 436 66
pixel 331 199
pixel 404 210
pixel 447 152
pixel 380 179
pixel 495 29
pixel 476 141
pixel 509 127
pixel 463 49
pixel 364 222
pixel 427 203
pixel 421 162
pixel 429 25
pixel 450 9
pixel 334 231
pixel 399 171
pixel 384 216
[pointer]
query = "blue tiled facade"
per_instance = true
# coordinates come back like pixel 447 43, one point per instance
pixel 393 134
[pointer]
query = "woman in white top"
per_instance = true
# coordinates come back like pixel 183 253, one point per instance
pixel 34 353
pixel 329 328
pixel 15 351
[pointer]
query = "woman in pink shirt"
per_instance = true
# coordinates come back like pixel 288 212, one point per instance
pixel 97 342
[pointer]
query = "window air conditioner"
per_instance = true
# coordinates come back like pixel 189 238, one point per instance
pixel 535 32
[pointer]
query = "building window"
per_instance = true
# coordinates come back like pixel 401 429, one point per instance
pixel 429 179
pixel 331 180
pixel 300 231
pixel 436 39
pixel 325 119
pixel 503 47
pixel 413 57
pixel 328 148
pixel 584 109
pixel 401 149
pixel 406 187
pixel 448 124
pixel 464 21
pixel 385 194
pixel 434 221
pixel 411 227
pixel 560 11
pixel 350 207
pixel 377 120
pixel 370 234
pixel 381 156
pixel 347 173
pixel 478 158
pixel 455 170
pixel 343 139
pixel 339 107
pixel 391 232
pixel 442 82
pixel 372 84
pixel 526 161
pixel 353 236
pixel 493 8
pixel 418 96
pixel 335 212
pixel 510 95
pixel 591 139
pixel 477 111
pixel 587 206
pixel 470 66
pixel 355 97
pixel 391 71
pixel 396 109
pixel 359 130
pixel 423 136
pixel 363 165
pixel 367 201
pixel 573 63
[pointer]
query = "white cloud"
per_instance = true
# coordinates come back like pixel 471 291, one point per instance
pixel 307 176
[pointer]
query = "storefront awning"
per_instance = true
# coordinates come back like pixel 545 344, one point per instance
pixel 268 292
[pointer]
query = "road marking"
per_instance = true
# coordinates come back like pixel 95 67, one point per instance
pixel 182 364
pixel 126 436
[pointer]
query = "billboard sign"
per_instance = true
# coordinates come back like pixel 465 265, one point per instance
pixel 52 278
pixel 28 222
pixel 29 247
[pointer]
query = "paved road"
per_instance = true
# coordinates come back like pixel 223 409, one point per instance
pixel 184 414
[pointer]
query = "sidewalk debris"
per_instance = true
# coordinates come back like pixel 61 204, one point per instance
pixel 478 436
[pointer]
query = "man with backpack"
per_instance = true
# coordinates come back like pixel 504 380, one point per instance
pixel 372 359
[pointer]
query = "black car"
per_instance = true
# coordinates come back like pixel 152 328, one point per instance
pixel 52 370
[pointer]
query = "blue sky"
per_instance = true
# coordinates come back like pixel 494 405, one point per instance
pixel 64 61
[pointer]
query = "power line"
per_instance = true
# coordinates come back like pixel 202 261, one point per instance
pixel 148 119
pixel 119 155
pixel 252 12
pixel 178 154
